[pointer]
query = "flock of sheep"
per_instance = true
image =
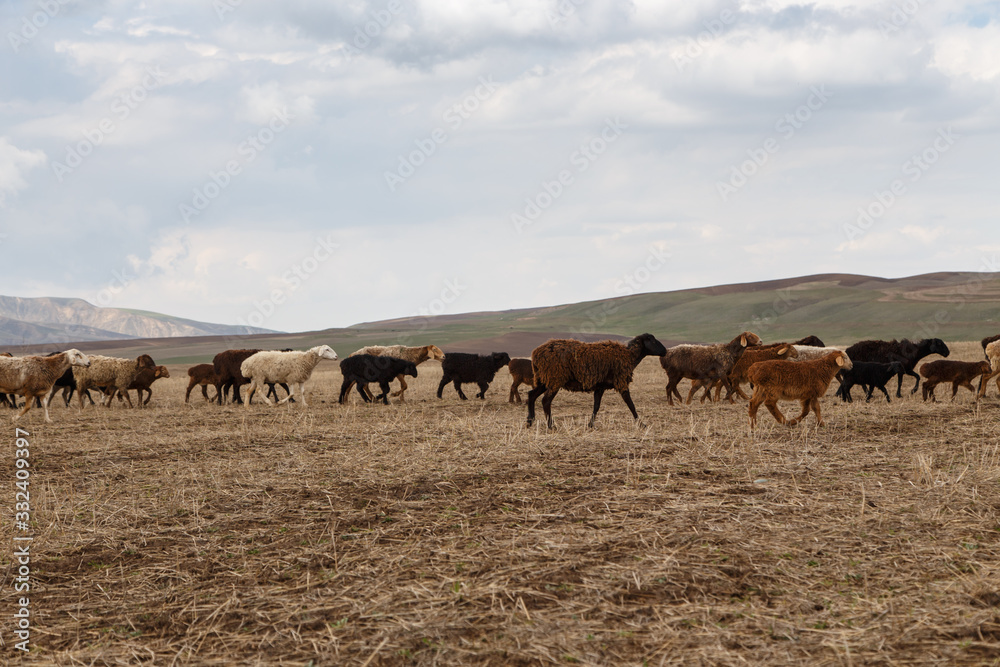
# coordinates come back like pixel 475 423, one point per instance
pixel 801 371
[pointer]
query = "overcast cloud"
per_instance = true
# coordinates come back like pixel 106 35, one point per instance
pixel 302 165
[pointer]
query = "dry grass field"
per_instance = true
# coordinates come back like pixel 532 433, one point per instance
pixel 445 532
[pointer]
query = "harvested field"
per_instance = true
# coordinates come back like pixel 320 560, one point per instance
pixel 443 532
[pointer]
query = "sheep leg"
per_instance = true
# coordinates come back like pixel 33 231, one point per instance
pixel 483 386
pixel 695 386
pixel 191 385
pixel 815 408
pixel 458 388
pixel 128 397
pixel 345 387
pixel 27 406
pixel 755 402
pixel 672 383
pixel 289 391
pixel 444 381
pixel 627 397
pixel 515 395
pixel 384 396
pixel 806 405
pixel 598 394
pixel 739 391
pixel 364 394
pixel 287 398
pixel 67 395
pixel 81 389
pixel 149 395
pixel 547 405
pixel 915 386
pixel 533 395
pixel 772 407
pixel 881 388
pixel 402 387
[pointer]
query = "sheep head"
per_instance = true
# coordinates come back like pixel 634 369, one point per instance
pixel 410 369
pixel 161 372
pixel 434 352
pixel 749 339
pixel 500 359
pixel 77 358
pixel 325 352
pixel 648 344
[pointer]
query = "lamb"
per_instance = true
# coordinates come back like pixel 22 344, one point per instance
pixel 227 368
pixel 996 368
pixel 33 377
pixel 738 374
pixel 416 355
pixel 703 362
pixel 870 375
pixel 905 351
pixel 812 353
pixel 803 381
pixel 110 372
pixel 521 372
pixel 361 369
pixel 292 368
pixel 202 375
pixel 590 367
pixel 143 381
pixel 459 367
pixel 959 373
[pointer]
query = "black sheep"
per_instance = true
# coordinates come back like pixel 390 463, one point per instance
pixel 904 351
pixel 868 374
pixel 459 367
pixel 361 369
pixel 811 341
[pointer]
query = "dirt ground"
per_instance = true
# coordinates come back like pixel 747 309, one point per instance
pixel 443 532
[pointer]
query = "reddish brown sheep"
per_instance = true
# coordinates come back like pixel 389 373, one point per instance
pixel 203 375
pixel 958 373
pixel 144 380
pixel 521 373
pixel 703 362
pixel 803 381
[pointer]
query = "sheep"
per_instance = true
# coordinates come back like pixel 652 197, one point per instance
pixel 227 368
pixel 11 399
pixel 870 375
pixel 417 355
pixel 33 377
pixel 361 369
pixel 959 373
pixel 996 368
pixel 703 362
pixel 738 374
pixel 803 381
pixel 905 351
pixel 143 381
pixel 811 341
pixel 589 367
pixel 202 375
pixel 459 367
pixel 292 368
pixel 521 372
pixel 111 372
pixel 812 352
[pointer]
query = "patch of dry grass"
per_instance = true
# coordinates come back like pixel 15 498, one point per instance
pixel 444 532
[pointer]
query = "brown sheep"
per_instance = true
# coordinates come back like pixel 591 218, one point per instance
pixel 737 375
pixel 803 381
pixel 203 375
pixel 521 373
pixel 703 362
pixel 958 373
pixel 591 367
pixel 33 377
pixel 112 373
pixel 143 382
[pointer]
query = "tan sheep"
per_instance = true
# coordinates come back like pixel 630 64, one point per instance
pixel 33 377
pixel 113 373
pixel 803 381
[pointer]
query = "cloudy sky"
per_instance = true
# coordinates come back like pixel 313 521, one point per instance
pixel 301 165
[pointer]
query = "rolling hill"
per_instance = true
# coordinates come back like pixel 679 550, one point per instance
pixel 840 308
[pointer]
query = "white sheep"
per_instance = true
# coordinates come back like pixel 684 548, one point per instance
pixel 293 368
pixel 812 353
pixel 33 377
pixel 112 373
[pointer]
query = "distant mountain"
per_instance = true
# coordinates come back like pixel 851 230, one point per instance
pixel 839 308
pixel 45 320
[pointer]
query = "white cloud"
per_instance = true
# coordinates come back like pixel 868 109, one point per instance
pixel 14 164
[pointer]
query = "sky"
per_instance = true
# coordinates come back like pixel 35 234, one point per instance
pixel 303 165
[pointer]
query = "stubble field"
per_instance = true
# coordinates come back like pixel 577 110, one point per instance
pixel 445 532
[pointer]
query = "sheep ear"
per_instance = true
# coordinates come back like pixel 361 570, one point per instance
pixel 840 360
pixel 783 350
pixel 743 340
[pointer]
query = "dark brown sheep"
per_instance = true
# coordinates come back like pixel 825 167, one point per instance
pixel 905 351
pixel 590 367
pixel 703 362
pixel 803 381
pixel 143 381
pixel 520 373
pixel 811 341
pixel 203 375
pixel 958 373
